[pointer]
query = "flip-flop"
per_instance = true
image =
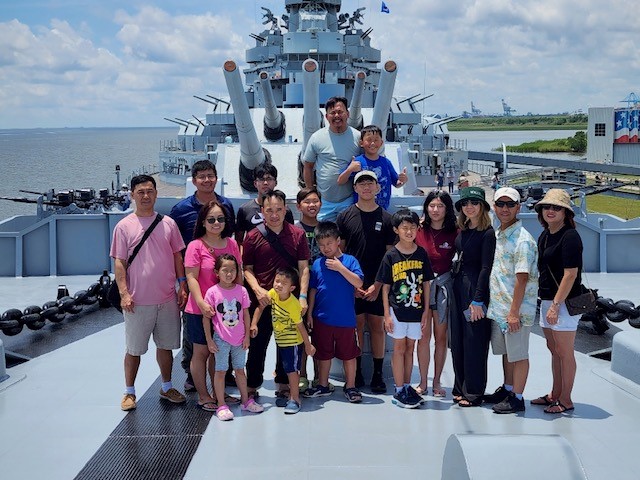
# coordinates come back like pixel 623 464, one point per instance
pixel 421 391
pixel 207 406
pixel 464 403
pixel 231 400
pixel 562 408
pixel 543 400
pixel 439 392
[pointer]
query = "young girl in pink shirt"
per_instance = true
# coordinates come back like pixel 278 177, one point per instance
pixel 229 304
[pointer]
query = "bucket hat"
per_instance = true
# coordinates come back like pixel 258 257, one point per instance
pixel 555 196
pixel 472 193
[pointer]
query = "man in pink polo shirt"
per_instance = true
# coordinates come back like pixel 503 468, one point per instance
pixel 148 288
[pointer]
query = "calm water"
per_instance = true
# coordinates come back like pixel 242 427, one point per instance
pixel 72 158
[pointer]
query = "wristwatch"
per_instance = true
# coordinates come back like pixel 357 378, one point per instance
pixel 555 304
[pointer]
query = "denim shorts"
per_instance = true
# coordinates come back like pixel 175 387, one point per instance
pixel 238 355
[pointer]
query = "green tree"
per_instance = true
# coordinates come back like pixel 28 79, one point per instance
pixel 578 143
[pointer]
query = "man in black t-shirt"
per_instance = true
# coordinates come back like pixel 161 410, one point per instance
pixel 265 179
pixel 367 233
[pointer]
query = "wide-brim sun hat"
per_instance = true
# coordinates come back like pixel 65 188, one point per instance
pixel 472 193
pixel 555 196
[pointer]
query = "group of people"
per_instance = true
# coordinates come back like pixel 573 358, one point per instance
pixel 341 268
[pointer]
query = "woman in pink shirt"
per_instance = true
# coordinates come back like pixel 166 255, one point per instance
pixel 437 236
pixel 212 238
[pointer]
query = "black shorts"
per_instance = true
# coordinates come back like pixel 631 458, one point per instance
pixel 291 357
pixel 372 308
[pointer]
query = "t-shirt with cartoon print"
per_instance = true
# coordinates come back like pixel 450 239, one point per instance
pixel 228 322
pixel 406 274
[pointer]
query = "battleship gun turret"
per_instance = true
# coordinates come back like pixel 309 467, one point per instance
pixel 355 106
pixel 275 125
pixel 385 95
pixel 321 51
pixel 310 84
pixel 251 152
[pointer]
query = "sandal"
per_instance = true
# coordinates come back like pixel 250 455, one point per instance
pixel 208 406
pixel 251 406
pixel 421 391
pixel 224 414
pixel 438 391
pixel 457 398
pixel 544 400
pixel 467 403
pixel 353 395
pixel 231 400
pixel 560 408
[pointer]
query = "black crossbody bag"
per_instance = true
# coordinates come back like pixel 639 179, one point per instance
pixel 114 294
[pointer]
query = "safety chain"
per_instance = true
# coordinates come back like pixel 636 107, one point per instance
pixel 34 317
pixel 616 312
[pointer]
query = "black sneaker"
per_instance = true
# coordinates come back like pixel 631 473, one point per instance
pixel 402 400
pixel 318 391
pixel 413 396
pixel 359 379
pixel 498 396
pixel 377 384
pixel 511 404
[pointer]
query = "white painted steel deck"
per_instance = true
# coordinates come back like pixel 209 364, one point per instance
pixel 64 405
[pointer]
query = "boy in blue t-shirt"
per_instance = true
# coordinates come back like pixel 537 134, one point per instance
pixel 331 314
pixel 371 142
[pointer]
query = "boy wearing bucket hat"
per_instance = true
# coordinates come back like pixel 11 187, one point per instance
pixel 514 293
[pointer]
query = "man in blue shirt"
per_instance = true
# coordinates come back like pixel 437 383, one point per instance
pixel 185 213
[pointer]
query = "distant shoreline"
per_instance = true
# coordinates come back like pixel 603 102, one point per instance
pixel 524 122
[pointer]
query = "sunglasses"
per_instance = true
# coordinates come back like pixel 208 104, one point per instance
pixel 213 220
pixel 555 208
pixel 508 203
pixel 466 202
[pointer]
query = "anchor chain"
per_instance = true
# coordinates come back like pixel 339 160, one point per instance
pixel 34 317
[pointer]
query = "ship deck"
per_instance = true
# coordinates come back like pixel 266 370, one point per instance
pixel 60 416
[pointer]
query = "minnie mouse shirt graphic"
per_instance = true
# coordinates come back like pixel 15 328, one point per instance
pixel 228 304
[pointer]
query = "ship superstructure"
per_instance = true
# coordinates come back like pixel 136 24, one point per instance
pixel 309 54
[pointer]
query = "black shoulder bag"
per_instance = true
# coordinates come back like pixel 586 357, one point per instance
pixel 276 245
pixel 580 304
pixel 114 294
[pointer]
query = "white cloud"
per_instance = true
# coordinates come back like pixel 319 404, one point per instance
pixel 541 56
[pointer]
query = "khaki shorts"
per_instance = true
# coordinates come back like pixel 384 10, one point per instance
pixel 514 345
pixel 161 320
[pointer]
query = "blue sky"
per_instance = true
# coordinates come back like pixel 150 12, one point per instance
pixel 96 63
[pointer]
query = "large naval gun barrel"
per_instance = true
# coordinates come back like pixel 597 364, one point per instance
pixel 355 107
pixel 311 99
pixel 251 152
pixel 385 95
pixel 274 121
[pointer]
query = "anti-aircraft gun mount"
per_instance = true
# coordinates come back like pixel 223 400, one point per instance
pixel 79 201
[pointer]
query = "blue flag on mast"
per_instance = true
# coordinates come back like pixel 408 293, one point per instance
pixel 384 8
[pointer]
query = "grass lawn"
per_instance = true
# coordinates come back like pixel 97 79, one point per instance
pixel 620 207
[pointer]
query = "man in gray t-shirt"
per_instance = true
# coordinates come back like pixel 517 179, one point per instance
pixel 330 151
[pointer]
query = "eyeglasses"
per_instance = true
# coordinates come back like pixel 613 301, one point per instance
pixel 555 208
pixel 210 176
pixel 508 204
pixel 213 220
pixel 466 202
